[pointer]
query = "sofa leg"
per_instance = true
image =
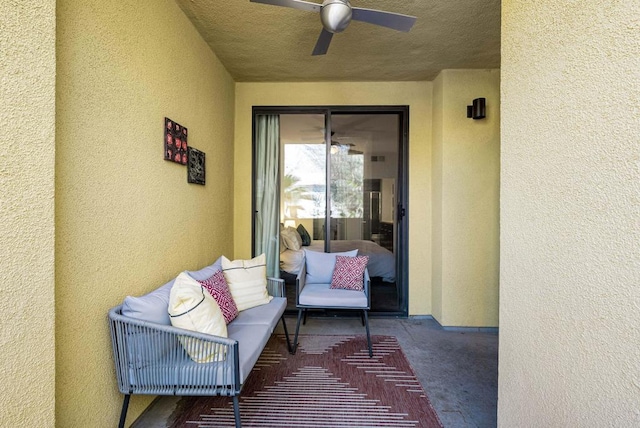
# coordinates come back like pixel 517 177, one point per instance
pixel 366 320
pixel 123 413
pixel 295 337
pixel 286 334
pixel 236 411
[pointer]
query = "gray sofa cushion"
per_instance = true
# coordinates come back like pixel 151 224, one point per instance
pixel 268 314
pixel 324 296
pixel 154 306
pixel 320 265
pixel 150 307
pixel 206 272
pixel 252 339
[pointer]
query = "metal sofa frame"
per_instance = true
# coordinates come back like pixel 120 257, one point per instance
pixel 140 345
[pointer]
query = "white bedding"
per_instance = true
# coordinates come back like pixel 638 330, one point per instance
pixel 382 262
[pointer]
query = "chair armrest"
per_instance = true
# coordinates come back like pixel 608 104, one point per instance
pixel 276 287
pixel 367 286
pixel 300 280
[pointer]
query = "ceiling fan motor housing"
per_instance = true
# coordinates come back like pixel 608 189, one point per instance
pixel 335 15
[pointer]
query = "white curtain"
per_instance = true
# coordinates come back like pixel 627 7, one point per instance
pixel 267 228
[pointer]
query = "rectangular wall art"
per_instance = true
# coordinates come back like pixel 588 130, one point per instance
pixel 175 142
pixel 195 167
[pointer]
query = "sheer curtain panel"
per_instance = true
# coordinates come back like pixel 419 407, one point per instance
pixel 267 231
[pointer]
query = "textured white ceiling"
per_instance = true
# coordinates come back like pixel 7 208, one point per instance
pixel 258 42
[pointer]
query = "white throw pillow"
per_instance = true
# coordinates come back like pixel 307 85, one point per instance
pixel 247 280
pixel 320 266
pixel 292 261
pixel 296 235
pixel 192 307
pixel 283 246
pixel 291 238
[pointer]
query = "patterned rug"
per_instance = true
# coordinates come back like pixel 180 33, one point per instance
pixel 330 382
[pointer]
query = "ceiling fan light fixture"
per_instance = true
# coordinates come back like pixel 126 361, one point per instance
pixel 335 15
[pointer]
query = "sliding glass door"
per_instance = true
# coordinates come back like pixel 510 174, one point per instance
pixel 339 172
pixel 363 172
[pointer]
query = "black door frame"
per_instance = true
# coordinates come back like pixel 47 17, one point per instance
pixel 402 201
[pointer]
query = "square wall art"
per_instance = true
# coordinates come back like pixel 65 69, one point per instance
pixel 175 142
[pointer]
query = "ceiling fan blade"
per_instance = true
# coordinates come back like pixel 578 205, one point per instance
pixel 396 21
pixel 296 4
pixel 322 45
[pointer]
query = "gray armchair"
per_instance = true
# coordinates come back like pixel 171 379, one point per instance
pixel 313 291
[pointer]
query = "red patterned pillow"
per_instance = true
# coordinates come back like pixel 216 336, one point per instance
pixel 349 272
pixel 217 286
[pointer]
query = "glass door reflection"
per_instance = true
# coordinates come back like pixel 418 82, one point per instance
pixel 364 159
pixel 303 175
pixel 348 178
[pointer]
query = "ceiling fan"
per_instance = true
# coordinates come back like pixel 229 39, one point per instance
pixel 337 14
pixel 336 146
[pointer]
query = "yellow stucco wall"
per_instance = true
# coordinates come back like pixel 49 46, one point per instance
pixel 127 221
pixel 466 187
pixel 436 195
pixel 415 94
pixel 27 159
pixel 570 215
pixel 569 258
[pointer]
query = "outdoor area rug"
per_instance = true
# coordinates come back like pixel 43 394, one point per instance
pixel 330 382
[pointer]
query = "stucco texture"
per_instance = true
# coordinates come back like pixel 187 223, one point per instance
pixel 570 215
pixel 127 221
pixel 466 195
pixel 417 95
pixel 27 159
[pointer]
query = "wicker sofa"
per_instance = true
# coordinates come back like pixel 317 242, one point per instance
pixel 150 357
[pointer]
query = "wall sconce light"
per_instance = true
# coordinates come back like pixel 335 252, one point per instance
pixel 478 110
